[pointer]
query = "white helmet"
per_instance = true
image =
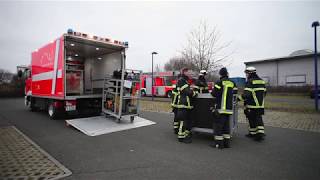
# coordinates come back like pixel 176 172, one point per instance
pixel 203 73
pixel 250 70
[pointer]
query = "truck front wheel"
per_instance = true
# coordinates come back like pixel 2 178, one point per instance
pixel 29 102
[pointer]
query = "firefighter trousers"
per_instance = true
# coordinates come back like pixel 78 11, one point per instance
pixel 175 121
pixel 256 125
pixel 185 123
pixel 222 129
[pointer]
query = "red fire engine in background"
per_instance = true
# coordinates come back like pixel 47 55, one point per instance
pixel 163 83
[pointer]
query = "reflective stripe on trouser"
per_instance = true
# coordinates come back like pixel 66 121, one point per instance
pixel 260 129
pixel 226 136
pixel 252 131
pixel 175 125
pixel 218 138
pixel 181 132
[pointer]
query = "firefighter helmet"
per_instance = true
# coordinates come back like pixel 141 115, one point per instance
pixel 223 72
pixel 250 70
pixel 203 73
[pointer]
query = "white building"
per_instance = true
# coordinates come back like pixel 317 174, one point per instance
pixel 297 69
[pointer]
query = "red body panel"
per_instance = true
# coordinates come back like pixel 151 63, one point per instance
pixel 43 73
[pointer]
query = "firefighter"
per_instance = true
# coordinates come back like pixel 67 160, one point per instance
pixel 174 101
pixel 184 107
pixel 253 97
pixel 201 85
pixel 223 92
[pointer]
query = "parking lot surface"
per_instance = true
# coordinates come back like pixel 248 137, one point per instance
pixel 153 152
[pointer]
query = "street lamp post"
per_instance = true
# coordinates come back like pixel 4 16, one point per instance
pixel 153 53
pixel 314 25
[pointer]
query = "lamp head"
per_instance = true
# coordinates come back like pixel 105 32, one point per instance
pixel 315 24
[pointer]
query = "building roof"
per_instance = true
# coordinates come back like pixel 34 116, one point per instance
pixel 294 55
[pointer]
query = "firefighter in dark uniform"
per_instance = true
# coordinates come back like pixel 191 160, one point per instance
pixel 201 85
pixel 253 97
pixel 223 92
pixel 174 101
pixel 184 106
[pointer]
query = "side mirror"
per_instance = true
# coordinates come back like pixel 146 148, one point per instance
pixel 20 74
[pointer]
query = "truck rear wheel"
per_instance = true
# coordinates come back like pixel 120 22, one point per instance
pixel 52 111
pixel 169 94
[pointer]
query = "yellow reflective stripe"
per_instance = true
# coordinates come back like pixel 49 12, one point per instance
pixel 225 111
pixel 235 88
pixel 180 132
pixel 218 137
pixel 255 98
pixel 226 136
pixel 254 107
pixel 253 133
pixel 226 85
pixel 184 106
pixel 183 87
pixel 260 131
pixel 260 127
pixel 217 86
pixel 259 89
pixel 194 93
pixel 176 123
pixel 252 90
pixel 174 86
pixel 258 82
pixel 240 98
pixel 252 129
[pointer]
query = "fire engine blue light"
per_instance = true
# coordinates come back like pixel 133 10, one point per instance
pixel 126 43
pixel 70 31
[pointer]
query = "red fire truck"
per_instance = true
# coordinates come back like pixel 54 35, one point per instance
pixel 163 83
pixel 67 74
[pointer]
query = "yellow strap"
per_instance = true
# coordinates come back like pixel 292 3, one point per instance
pixel 217 86
pixel 258 82
pixel 183 87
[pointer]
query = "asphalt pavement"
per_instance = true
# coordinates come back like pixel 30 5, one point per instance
pixel 153 152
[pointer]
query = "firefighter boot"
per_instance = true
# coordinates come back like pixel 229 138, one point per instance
pixel 217 144
pixel 188 138
pixel 226 143
pixel 259 137
pixel 250 135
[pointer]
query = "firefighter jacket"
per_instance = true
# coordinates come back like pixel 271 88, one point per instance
pixel 254 93
pixel 174 97
pixel 223 92
pixel 184 94
pixel 201 85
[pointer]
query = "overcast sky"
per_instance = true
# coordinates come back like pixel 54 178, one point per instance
pixel 258 30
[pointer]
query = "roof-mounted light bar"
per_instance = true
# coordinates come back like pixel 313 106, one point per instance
pixel 97 38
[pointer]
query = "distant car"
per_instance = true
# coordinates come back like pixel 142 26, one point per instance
pixel 312 92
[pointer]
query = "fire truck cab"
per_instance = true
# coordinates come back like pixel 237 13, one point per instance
pixel 66 75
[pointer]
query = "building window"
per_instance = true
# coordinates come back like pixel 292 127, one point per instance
pixel 296 79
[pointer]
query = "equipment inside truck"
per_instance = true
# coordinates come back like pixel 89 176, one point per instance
pixel 87 63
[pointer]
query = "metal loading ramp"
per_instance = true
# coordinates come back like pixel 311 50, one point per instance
pixel 98 125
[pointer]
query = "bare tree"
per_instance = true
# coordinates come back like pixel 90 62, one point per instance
pixel 158 68
pixel 205 49
pixel 5 76
pixel 177 63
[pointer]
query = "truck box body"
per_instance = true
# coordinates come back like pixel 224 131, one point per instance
pixel 73 67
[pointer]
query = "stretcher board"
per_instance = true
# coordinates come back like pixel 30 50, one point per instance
pixel 98 125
